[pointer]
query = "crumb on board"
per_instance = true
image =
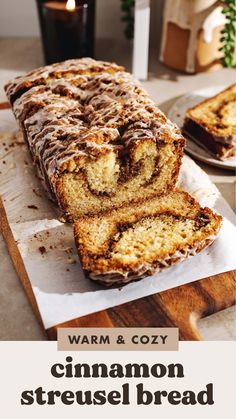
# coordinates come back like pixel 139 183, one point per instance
pixel 32 207
pixel 16 140
pixel 42 250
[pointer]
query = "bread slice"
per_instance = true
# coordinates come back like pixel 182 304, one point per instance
pixel 98 139
pixel 129 243
pixel 212 123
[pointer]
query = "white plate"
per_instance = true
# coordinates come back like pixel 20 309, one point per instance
pixel 177 115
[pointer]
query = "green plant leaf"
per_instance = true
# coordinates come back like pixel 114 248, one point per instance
pixel 228 37
pixel 127 7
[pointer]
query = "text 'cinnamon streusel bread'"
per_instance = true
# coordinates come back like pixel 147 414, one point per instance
pixel 129 243
pixel 96 137
pixel 212 123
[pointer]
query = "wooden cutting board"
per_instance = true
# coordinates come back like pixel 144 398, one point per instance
pixel 178 307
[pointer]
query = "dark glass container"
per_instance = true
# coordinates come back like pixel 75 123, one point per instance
pixel 67 29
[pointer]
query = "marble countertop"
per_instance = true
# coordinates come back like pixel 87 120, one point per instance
pixel 17 321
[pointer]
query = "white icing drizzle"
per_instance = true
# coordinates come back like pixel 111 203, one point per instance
pixel 67 68
pixel 75 110
pixel 213 20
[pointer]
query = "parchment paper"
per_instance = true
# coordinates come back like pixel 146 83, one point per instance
pixel 47 245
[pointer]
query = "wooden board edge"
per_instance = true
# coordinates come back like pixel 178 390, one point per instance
pixel 17 261
pixel 5 105
pixel 166 303
pixel 105 318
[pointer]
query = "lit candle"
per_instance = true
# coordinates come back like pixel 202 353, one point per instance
pixel 70 5
pixel 67 29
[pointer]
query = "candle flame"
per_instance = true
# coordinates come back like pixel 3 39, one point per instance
pixel 70 5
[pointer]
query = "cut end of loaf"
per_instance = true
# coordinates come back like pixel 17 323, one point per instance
pixel 212 123
pixel 118 176
pixel 135 241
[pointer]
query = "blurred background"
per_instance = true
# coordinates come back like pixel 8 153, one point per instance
pixel 193 35
pixel 24 21
pixel 110 38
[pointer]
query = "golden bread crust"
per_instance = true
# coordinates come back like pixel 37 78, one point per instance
pixel 125 243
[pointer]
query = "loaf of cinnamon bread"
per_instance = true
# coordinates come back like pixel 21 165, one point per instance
pixel 131 242
pixel 96 137
pixel 212 123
